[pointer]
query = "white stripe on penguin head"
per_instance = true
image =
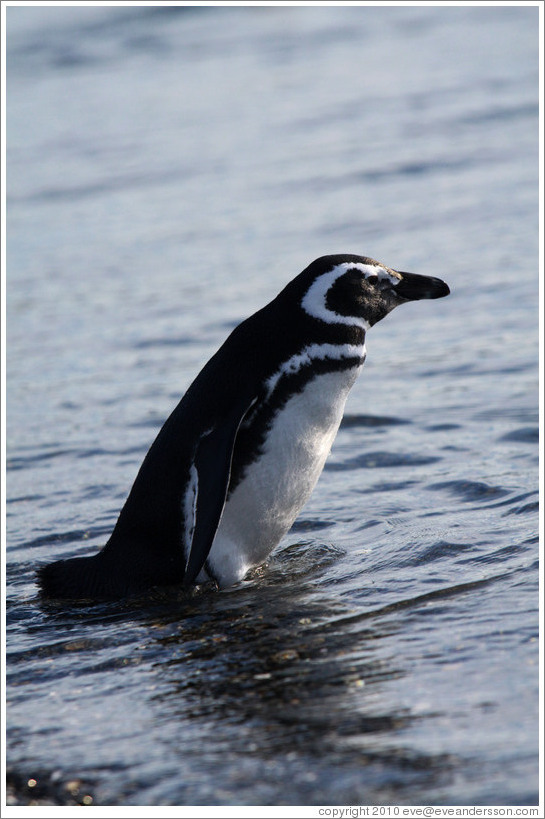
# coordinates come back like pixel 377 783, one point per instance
pixel 314 300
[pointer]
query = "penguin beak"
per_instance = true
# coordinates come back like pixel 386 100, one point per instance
pixel 413 287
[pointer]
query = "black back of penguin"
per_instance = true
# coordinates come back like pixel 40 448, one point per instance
pixel 167 525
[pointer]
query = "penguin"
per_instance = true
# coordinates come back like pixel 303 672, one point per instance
pixel 239 456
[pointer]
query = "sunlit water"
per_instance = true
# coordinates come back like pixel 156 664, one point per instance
pixel 169 170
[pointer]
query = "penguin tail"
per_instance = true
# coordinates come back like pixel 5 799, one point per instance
pixel 79 578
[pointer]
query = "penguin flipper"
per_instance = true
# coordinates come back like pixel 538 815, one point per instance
pixel 213 459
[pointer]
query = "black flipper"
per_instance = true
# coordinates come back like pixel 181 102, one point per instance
pixel 145 547
pixel 213 460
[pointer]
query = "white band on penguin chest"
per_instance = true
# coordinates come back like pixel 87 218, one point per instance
pixel 312 353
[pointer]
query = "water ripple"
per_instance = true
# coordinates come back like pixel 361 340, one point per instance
pixel 353 420
pixel 525 435
pixel 380 460
pixel 470 490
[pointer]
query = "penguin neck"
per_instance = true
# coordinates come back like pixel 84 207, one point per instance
pixel 341 334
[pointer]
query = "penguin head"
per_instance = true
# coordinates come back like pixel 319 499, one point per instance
pixel 357 290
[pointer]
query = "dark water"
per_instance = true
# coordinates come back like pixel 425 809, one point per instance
pixel 169 170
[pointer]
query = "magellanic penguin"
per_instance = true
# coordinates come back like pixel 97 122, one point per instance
pixel 241 453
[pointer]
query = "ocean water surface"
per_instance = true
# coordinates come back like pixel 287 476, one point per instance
pixel 169 170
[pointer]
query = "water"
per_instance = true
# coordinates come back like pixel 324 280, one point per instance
pixel 169 170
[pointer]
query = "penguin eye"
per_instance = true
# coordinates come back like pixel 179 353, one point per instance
pixel 372 279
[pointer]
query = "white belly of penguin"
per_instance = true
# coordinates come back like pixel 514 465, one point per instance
pixel 276 486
